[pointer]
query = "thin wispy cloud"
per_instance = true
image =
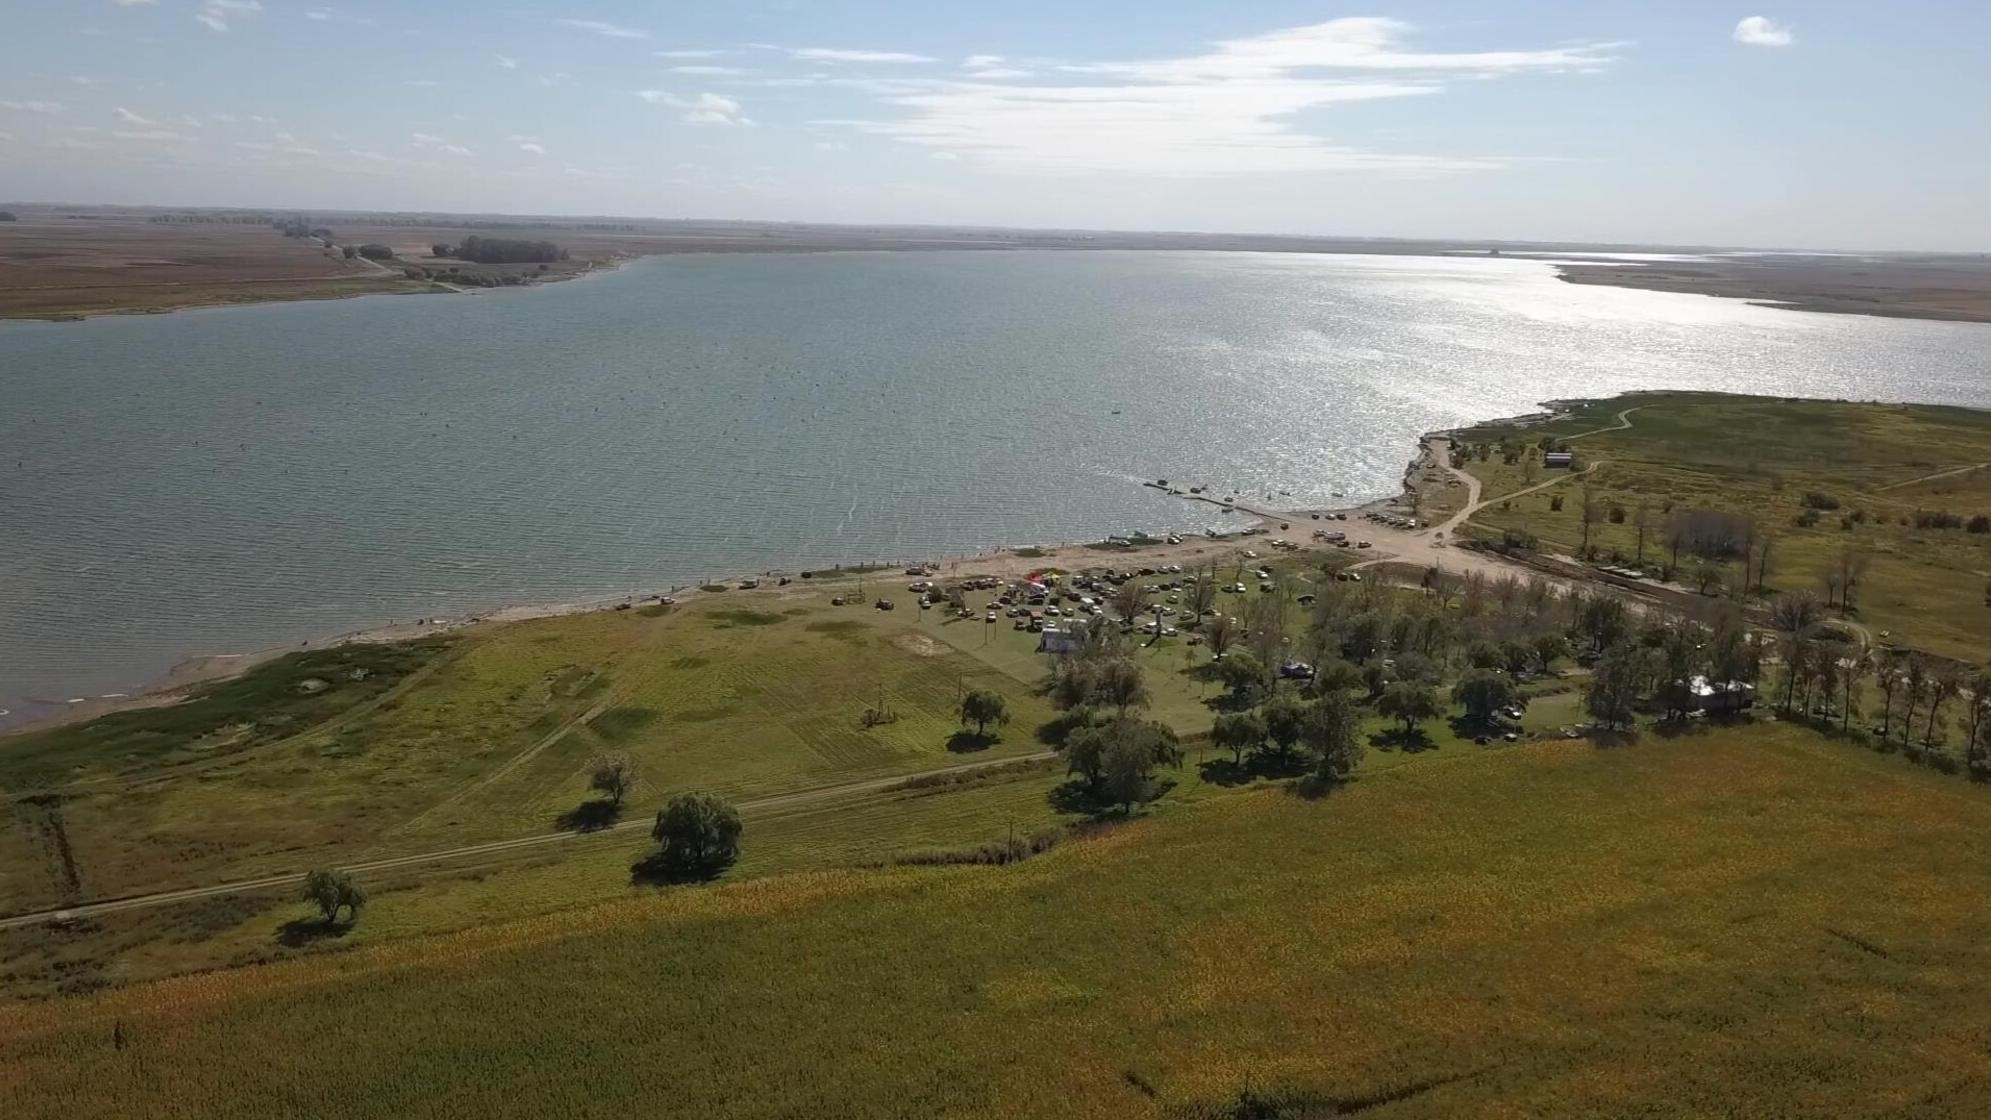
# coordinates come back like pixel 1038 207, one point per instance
pixel 604 29
pixel 706 108
pixel 709 71
pixel 218 15
pixel 126 116
pixel 1226 112
pixel 688 54
pixel 1760 31
pixel 532 148
pixel 41 107
pixel 833 54
pixel 507 63
pixel 133 3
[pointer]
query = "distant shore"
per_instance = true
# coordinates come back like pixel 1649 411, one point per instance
pixel 62 262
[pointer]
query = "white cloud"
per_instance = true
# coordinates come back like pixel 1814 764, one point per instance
pixel 425 83
pixel 216 14
pixel 1228 111
pixel 126 116
pixel 532 148
pixel 832 146
pixel 83 80
pixel 706 108
pixel 319 15
pixel 992 66
pixel 831 54
pixel 606 30
pixel 133 3
pixel 6 137
pixel 456 150
pixel 1758 31
pixel 150 135
pixel 507 63
pixel 42 107
pixel 687 54
pixel 426 138
pixel 709 71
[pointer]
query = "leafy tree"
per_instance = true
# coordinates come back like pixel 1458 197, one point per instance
pixel 504 250
pixel 1515 656
pixel 1335 675
pixel 1707 575
pixel 1409 701
pixel 700 833
pixel 1245 677
pixel 1238 732
pixel 1284 718
pixel 1117 681
pixel 332 891
pixel 1548 648
pixel 1482 694
pixel 1127 771
pixel 1330 736
pixel 1220 632
pixel 1977 717
pixel 1614 686
pixel 981 708
pixel 1130 600
pixel 1085 755
pixel 612 773
pixel 8 216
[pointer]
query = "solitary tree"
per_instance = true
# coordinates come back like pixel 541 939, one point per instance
pixel 981 708
pixel 1410 702
pixel 612 773
pixel 1117 681
pixel 1221 634
pixel 1483 694
pixel 700 834
pixel 332 891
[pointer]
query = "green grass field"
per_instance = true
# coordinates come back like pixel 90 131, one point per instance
pixel 1761 457
pixel 1748 922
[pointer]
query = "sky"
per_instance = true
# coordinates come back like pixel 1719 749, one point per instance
pixel 1801 124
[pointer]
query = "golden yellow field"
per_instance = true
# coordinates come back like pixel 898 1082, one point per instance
pixel 1744 922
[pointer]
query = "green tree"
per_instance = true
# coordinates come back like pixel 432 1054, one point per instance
pixel 332 891
pixel 1285 718
pixel 612 773
pixel 1245 677
pixel 1548 649
pixel 1614 685
pixel 1085 754
pixel 1335 675
pixel 699 834
pixel 1118 681
pixel 1482 694
pixel 981 708
pixel 1220 633
pixel 1410 702
pixel 1330 734
pixel 1238 732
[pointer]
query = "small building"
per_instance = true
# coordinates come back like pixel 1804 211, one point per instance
pixel 1718 697
pixel 1563 459
pixel 1059 641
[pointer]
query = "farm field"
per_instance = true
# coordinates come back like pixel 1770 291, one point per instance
pixel 1871 469
pixel 1739 921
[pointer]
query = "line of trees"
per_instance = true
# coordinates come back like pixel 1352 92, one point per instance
pixel 501 250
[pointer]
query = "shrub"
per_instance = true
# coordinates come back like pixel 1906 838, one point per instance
pixel 1943 760
pixel 1979 524
pixel 992 853
pixel 1813 499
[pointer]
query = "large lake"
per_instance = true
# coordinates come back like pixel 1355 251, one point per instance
pixel 233 479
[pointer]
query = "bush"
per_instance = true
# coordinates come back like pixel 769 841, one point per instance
pixel 1929 519
pixel 376 252
pixel 1816 500
pixel 1807 518
pixel 1980 770
pixel 1942 760
pixel 1979 524
pixel 991 853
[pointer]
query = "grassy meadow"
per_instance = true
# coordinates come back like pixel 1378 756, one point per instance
pixel 1749 921
pixel 1761 458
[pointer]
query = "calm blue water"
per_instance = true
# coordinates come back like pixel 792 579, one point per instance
pixel 233 479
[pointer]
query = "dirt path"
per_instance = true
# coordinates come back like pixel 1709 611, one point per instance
pixel 1951 473
pixel 1623 422
pixel 495 847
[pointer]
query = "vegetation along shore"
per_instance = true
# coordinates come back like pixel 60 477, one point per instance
pixel 1496 814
